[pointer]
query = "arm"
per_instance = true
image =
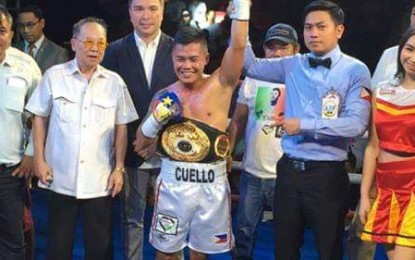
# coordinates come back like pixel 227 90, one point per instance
pixel 42 170
pixel 236 129
pixel 232 62
pixel 369 167
pixel 26 166
pixel 351 123
pixel 116 179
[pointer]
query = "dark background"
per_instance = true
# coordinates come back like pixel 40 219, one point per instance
pixel 371 25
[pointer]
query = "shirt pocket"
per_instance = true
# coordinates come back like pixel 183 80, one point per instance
pixel 103 111
pixel 15 94
pixel 66 108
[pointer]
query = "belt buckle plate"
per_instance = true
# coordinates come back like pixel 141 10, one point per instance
pixel 299 166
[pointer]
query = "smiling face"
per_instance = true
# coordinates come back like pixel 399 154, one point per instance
pixel 321 33
pixel 189 61
pixel 87 45
pixel 407 57
pixel 146 17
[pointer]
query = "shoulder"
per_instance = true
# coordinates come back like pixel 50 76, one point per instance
pixel 21 58
pixel 52 45
pixel 355 65
pixel 165 39
pixel 112 75
pixel 122 42
pixel 392 51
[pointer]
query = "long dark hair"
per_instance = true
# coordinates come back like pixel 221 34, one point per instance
pixel 400 74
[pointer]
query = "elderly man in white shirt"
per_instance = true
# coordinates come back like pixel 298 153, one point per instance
pixel 19 75
pixel 80 136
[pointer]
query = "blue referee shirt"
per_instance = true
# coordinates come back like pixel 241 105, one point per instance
pixel 320 139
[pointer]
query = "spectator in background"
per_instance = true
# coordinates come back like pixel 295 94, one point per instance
pixel 218 36
pixel 198 10
pixel 173 13
pixel 262 140
pixel 210 17
pixel 186 18
pixel 30 24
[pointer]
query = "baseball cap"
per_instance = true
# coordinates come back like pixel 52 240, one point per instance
pixel 282 32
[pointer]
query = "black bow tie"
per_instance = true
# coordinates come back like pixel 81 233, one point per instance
pixel 315 62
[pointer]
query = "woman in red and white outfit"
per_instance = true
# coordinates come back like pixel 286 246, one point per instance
pixel 390 157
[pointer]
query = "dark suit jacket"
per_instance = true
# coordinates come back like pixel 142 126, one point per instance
pixel 49 54
pixel 123 57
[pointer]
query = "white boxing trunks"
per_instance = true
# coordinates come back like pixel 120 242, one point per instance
pixel 193 208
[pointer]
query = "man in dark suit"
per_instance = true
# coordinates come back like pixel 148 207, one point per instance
pixel 30 24
pixel 143 59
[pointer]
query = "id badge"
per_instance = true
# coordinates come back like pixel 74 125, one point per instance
pixel 330 105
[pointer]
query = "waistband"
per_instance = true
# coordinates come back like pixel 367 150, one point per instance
pixel 304 165
pixel 397 165
pixel 5 166
pixel 200 173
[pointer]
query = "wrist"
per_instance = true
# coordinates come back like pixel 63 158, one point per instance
pixel 241 10
pixel 119 169
pixel 151 127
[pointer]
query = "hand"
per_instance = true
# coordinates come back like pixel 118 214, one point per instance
pixel 148 151
pixel 291 126
pixel 43 172
pixel 240 10
pixel 364 209
pixel 25 168
pixel 167 108
pixel 115 182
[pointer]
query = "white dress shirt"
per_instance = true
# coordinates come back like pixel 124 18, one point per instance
pixel 148 53
pixel 19 75
pixel 82 117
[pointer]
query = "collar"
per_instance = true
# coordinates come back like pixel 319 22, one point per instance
pixel 73 68
pixel 334 55
pixel 38 43
pixel 140 43
pixel 8 61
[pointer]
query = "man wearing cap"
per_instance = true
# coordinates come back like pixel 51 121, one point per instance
pixel 259 104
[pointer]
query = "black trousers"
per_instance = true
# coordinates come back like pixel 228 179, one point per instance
pixel 11 216
pixel 314 194
pixel 96 222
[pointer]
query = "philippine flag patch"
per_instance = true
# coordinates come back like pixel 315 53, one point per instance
pixel 221 238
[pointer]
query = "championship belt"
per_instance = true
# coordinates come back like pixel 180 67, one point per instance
pixel 193 141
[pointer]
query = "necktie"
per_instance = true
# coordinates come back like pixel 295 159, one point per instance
pixel 315 62
pixel 31 50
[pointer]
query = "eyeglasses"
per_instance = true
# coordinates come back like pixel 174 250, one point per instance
pixel 29 25
pixel 89 44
